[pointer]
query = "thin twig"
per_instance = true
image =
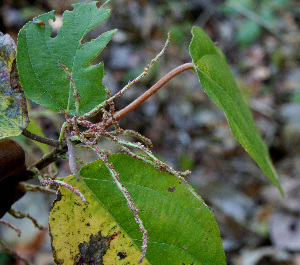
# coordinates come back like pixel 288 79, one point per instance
pixel 20 215
pixel 48 159
pixel 137 135
pixel 33 188
pixel 130 83
pixel 76 94
pixel 17 230
pixel 40 139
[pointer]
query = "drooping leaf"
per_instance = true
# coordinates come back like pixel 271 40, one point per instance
pixel 13 111
pixel 181 229
pixel 219 84
pixel 38 56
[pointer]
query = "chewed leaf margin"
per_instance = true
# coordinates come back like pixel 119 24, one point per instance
pixel 40 57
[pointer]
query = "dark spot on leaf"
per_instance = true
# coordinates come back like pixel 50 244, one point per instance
pixel 122 255
pixel 88 224
pixel 172 189
pixel 92 252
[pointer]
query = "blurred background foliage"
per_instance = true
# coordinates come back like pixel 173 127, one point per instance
pixel 261 41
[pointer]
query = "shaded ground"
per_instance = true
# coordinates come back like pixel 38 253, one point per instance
pixel 261 42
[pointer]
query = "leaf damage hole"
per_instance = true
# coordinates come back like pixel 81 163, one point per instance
pixel 172 189
pixel 56 24
pixel 92 252
pixel 122 255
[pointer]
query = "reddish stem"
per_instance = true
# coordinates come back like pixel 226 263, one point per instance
pixel 120 114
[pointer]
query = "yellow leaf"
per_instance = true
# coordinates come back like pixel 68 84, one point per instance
pixel 86 233
pixel 13 110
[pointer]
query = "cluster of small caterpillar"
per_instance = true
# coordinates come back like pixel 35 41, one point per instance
pixel 58 183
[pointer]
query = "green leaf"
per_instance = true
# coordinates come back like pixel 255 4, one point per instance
pixel 13 111
pixel 38 55
pixel 181 229
pixel 201 40
pixel 219 83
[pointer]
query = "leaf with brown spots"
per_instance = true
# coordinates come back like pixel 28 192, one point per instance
pixel 88 233
pixel 13 109
pixel 181 229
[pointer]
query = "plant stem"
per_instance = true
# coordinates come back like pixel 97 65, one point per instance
pixel 72 158
pixel 31 187
pixel 62 132
pixel 46 160
pixel 20 215
pixel 76 94
pixel 40 139
pixel 119 115
pixel 130 83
